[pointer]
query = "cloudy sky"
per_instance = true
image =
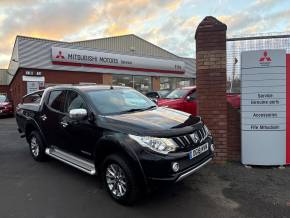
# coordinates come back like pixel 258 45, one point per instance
pixel 170 24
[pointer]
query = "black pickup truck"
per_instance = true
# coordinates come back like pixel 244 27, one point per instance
pixel 116 132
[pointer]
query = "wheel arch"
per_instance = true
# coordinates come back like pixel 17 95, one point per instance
pixel 31 126
pixel 110 145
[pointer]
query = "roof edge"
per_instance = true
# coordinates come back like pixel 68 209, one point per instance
pixel 88 40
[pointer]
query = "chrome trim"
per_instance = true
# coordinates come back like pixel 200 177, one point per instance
pixel 64 124
pixel 195 138
pixel 72 160
pixel 183 176
pixel 179 140
pixel 78 114
pixel 187 140
pixel 43 117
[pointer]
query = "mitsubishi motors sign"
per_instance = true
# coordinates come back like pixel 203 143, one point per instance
pixel 86 58
pixel 263 108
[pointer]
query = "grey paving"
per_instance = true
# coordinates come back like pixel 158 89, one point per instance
pixel 29 189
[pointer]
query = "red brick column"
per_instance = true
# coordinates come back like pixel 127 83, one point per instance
pixel 155 83
pixel 211 81
pixel 234 134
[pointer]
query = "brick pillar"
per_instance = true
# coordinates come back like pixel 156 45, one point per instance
pixel 107 79
pixel 155 83
pixel 211 80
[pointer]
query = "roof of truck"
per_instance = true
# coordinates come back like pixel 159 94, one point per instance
pixel 89 87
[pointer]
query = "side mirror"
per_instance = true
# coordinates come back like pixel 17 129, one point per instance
pixel 78 114
pixel 189 98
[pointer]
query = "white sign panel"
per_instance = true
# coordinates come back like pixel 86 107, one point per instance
pixel 263 107
pixel 33 78
pixel 33 87
pixel 86 58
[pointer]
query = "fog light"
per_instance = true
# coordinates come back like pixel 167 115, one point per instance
pixel 212 147
pixel 175 167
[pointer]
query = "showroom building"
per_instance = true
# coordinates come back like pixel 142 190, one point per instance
pixel 4 88
pixel 123 60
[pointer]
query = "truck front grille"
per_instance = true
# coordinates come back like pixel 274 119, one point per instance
pixel 186 142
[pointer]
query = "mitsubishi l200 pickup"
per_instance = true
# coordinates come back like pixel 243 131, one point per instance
pixel 117 133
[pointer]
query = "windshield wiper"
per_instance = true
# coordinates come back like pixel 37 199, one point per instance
pixel 133 110
pixel 148 108
pixel 139 109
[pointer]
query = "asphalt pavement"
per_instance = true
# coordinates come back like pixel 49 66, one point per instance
pixel 29 189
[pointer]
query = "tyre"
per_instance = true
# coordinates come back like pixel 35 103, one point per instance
pixel 36 146
pixel 119 179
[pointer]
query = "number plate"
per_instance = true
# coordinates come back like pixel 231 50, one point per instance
pixel 197 151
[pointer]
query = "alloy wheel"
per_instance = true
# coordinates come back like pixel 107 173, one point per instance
pixel 116 180
pixel 34 146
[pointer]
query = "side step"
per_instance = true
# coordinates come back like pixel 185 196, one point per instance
pixel 72 160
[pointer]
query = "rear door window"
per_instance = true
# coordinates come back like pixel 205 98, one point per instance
pixel 56 100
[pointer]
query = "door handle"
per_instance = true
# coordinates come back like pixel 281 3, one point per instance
pixel 64 124
pixel 44 117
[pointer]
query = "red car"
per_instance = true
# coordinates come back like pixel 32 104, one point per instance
pixel 184 99
pixel 6 106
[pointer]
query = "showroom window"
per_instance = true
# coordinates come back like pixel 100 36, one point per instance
pixel 171 83
pixel 142 83
pixel 123 80
pixel 183 82
pixel 167 83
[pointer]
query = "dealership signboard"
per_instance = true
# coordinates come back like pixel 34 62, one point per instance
pixel 87 58
pixel 263 107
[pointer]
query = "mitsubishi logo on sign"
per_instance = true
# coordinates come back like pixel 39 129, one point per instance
pixel 60 56
pixel 265 60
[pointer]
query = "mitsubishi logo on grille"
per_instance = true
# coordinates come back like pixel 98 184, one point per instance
pixel 195 138
pixel 59 55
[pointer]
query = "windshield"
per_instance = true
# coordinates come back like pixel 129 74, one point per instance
pixel 163 93
pixel 2 98
pixel 177 93
pixel 115 101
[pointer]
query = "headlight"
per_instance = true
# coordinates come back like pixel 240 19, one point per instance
pixel 161 145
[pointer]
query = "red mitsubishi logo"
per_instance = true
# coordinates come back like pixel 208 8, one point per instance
pixel 265 58
pixel 60 55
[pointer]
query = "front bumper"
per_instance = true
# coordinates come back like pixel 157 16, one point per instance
pixel 159 167
pixel 192 170
pixel 6 113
